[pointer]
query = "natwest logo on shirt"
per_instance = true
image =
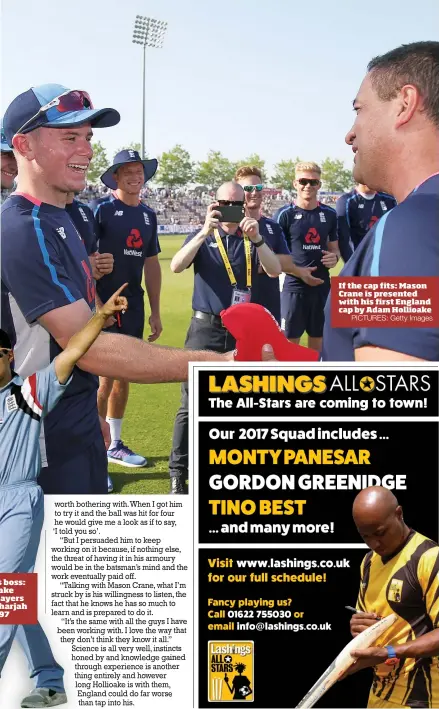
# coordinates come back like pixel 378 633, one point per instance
pixel 312 240
pixel 312 236
pixel 134 240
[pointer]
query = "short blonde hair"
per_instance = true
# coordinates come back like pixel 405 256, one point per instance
pixel 307 167
pixel 247 171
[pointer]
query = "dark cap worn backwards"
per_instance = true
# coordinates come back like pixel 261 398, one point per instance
pixel 5 342
pixel 54 106
pixel 124 157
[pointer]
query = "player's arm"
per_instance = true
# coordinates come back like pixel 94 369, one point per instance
pixel 343 228
pixel 267 258
pixel 122 357
pixel 78 345
pixel 379 354
pixel 102 263
pixel 269 261
pixel 153 284
pixel 425 646
pixel 185 256
pixel 331 256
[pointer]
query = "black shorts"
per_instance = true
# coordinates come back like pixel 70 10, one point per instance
pixel 304 312
pixel 131 323
pixel 83 474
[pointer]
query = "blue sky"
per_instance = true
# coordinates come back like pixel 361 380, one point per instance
pixel 275 77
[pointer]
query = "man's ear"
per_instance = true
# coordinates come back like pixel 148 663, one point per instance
pixel 23 145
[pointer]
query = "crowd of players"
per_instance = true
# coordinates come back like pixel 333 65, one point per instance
pixel 119 231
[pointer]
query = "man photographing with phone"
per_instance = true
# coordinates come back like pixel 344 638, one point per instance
pixel 226 254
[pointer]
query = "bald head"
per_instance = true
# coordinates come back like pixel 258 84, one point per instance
pixel 378 518
pixel 230 191
pixel 373 504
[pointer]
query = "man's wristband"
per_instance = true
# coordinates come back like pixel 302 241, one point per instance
pixel 259 243
pixel 391 656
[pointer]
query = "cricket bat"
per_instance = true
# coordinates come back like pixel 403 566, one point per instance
pixel 344 660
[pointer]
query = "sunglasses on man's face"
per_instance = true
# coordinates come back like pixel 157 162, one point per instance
pixel 253 188
pixel 230 203
pixel 64 103
pixel 305 181
pixel 4 352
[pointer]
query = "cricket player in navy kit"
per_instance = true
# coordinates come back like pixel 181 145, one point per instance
pixel 357 212
pixel 24 404
pixel 310 229
pixel 127 229
pixel 266 290
pixel 50 295
pixel 395 139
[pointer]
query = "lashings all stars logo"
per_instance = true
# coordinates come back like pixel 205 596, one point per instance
pixel 395 591
pixel 230 671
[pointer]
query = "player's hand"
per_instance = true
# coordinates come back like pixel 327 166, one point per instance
pixel 212 219
pixel 371 655
pixel 268 354
pixel 361 621
pixel 104 263
pixel 329 259
pixel 105 428
pixel 156 328
pixel 116 303
pixel 250 228
pixel 305 274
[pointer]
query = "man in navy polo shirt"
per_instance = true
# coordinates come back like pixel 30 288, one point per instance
pixel 225 257
pixel 266 290
pixel 357 212
pixel 310 229
pixel 127 229
pixel 395 139
pixel 49 295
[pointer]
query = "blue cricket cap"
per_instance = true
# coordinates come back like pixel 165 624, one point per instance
pixel 22 115
pixel 5 147
pixel 124 157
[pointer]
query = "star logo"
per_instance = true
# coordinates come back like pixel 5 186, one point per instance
pixel 227 659
pixel 367 384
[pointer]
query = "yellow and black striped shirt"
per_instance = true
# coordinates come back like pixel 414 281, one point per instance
pixel 406 584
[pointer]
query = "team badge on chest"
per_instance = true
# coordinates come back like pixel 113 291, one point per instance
pixel 395 591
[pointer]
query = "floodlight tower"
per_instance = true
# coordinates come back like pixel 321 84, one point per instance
pixel 148 33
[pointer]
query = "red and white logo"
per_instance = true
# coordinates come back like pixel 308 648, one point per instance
pixel 134 240
pixel 312 237
pixel 372 222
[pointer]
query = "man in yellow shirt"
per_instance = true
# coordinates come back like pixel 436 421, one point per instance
pixel 399 575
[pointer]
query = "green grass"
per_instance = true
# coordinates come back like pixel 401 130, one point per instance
pixel 149 418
